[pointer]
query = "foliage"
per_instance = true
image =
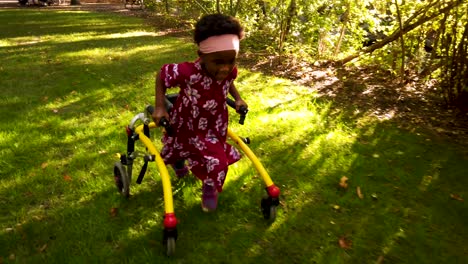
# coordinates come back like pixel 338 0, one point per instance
pixel 427 40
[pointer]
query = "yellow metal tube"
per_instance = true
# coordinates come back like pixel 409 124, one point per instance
pixel 166 181
pixel 266 178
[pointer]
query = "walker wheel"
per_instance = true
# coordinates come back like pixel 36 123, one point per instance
pixel 170 246
pixel 169 240
pixel 121 179
pixel 272 213
pixel 268 207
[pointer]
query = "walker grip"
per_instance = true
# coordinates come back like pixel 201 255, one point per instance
pixel 242 110
pixel 165 123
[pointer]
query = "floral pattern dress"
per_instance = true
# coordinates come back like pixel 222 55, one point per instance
pixel 199 121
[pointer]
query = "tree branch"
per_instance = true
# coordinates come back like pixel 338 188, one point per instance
pixel 401 31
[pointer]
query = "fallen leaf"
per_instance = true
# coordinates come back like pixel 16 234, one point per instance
pixel 344 243
pixel 12 257
pixel 336 207
pixel 456 197
pixel 375 155
pixel 114 211
pixel 43 248
pixel 380 259
pixel 344 182
pixel 359 193
pixel 44 165
pixel 67 177
pixel 55 110
pixel 374 196
pixel 102 151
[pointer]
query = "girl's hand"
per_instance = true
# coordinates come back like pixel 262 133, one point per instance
pixel 159 113
pixel 241 103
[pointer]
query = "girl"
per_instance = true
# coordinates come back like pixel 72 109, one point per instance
pixel 199 118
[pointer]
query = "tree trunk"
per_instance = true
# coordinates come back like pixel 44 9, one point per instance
pixel 344 20
pixel 262 5
pixel 236 8
pixel 287 24
pixel 166 5
pixel 402 40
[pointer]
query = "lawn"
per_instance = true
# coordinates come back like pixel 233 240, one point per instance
pixel 70 83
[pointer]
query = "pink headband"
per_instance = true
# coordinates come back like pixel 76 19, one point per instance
pixel 219 43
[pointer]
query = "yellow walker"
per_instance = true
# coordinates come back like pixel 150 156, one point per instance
pixel 139 129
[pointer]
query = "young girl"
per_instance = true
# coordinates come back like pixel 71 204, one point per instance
pixel 199 117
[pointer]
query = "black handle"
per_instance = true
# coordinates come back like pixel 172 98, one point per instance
pixel 162 122
pixel 242 110
pixel 150 109
pixel 165 123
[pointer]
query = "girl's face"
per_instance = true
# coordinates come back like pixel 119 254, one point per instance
pixel 219 64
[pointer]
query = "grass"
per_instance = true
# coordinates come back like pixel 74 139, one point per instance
pixel 70 83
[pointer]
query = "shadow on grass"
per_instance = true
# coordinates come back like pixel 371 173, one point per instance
pixel 17 23
pixel 60 205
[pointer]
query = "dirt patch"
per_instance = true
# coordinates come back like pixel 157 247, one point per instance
pixel 372 91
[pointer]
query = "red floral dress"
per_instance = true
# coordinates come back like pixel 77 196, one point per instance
pixel 199 121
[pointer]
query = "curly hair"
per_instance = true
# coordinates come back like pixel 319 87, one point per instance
pixel 215 25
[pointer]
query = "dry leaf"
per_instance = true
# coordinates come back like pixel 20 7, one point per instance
pixel 43 248
pixel 12 257
pixel 344 243
pixel 336 207
pixel 67 177
pixel 102 151
pixel 114 211
pixel 344 182
pixel 44 165
pixel 359 193
pixel 380 259
pixel 456 197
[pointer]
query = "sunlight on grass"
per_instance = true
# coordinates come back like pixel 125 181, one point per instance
pixel 132 34
pixel 105 55
pixel 72 83
pixel 432 176
pixel 390 243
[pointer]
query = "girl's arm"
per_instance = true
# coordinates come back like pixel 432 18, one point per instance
pixel 160 100
pixel 237 98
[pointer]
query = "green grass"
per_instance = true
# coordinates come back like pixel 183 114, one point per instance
pixel 71 81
